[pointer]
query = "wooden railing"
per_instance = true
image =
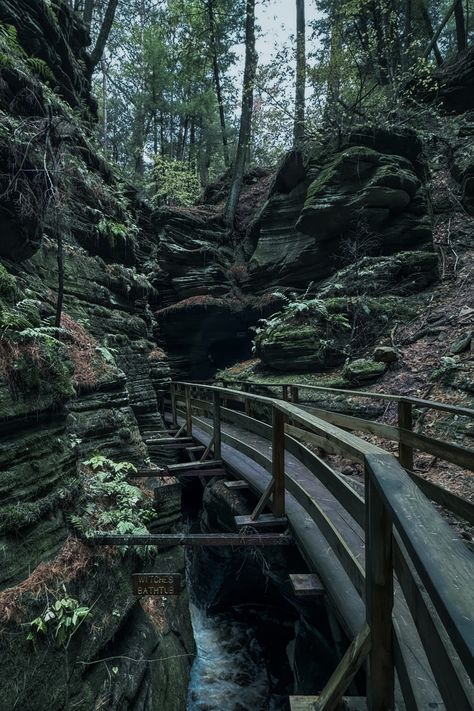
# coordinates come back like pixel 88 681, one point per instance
pixel 404 535
pixel 403 433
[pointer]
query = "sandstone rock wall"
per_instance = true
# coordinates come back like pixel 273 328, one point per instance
pixel 68 393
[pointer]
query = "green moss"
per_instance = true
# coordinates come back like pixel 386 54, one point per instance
pixel 43 367
pixel 16 516
pixel 332 170
pixel 363 370
pixel 7 282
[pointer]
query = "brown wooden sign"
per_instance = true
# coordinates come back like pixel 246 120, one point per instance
pixel 163 493
pixel 156 583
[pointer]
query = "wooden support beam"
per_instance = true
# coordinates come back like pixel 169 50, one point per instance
pixel 263 500
pixel 263 521
pixel 278 461
pixel 205 454
pixel 332 694
pixel 181 429
pixel 405 422
pixel 306 585
pixel 295 394
pixel 164 540
pixel 236 484
pixel 379 599
pixel 285 392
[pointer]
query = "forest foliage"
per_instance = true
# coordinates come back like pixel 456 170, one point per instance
pixel 169 79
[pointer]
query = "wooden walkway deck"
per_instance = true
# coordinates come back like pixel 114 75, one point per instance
pixel 425 640
pixel 344 593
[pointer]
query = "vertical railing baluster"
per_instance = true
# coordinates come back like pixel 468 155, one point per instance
pixel 278 461
pixel 285 392
pixel 294 393
pixel 405 422
pixel 217 426
pixel 174 415
pixel 189 414
pixel 379 599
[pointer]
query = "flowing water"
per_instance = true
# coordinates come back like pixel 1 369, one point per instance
pixel 229 672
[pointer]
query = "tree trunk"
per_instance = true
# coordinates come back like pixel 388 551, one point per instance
pixel 460 26
pixel 88 13
pixel 407 34
pixel 105 126
pixel 300 72
pixel 59 302
pixel 98 51
pixel 250 71
pixel 334 78
pixel 441 26
pixel 217 80
pixel 430 30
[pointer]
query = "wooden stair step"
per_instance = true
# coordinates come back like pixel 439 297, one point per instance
pixel 240 484
pixel 209 464
pixel 262 521
pixel 165 540
pixel 306 585
pixel 309 703
pixel 183 441
pixel 195 448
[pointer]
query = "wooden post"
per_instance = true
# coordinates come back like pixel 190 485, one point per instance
pixel 278 461
pixel 217 426
pixel 405 421
pixel 285 392
pixel 294 393
pixel 189 414
pixel 174 416
pixel 247 402
pixel 379 599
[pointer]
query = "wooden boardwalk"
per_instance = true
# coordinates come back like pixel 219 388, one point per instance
pixel 424 651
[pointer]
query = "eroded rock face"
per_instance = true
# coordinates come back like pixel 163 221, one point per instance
pixel 368 197
pixel 67 393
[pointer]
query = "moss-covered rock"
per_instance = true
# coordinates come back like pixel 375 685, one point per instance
pixel 404 274
pixel 363 189
pixel 7 282
pixel 318 334
pixel 363 370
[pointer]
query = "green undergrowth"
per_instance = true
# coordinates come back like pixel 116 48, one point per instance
pixel 110 503
pixel 20 515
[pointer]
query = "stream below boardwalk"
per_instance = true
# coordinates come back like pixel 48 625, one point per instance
pixel 230 671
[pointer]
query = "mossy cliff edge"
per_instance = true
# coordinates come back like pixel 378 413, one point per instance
pixel 68 389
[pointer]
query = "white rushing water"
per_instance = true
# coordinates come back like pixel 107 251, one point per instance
pixel 229 672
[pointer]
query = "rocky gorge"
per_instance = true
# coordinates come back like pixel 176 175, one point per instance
pixel 344 250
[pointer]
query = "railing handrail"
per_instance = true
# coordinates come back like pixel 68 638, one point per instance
pixel 443 563
pixel 418 402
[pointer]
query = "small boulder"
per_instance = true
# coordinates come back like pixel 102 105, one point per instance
pixel 462 343
pixel 363 370
pixel 386 354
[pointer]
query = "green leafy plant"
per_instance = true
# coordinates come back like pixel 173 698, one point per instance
pixel 112 230
pixel 174 182
pixel 111 503
pixel 61 618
